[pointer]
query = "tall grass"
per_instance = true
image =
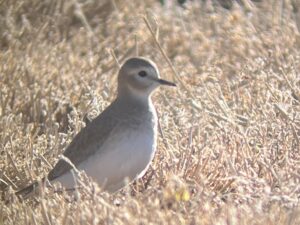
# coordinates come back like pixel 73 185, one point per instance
pixel 228 149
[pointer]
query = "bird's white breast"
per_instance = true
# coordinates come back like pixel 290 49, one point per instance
pixel 127 153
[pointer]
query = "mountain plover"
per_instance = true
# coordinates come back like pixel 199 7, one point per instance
pixel 120 143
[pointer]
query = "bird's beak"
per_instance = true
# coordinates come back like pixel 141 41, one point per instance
pixel 165 82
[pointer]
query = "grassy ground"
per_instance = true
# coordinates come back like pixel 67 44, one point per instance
pixel 228 152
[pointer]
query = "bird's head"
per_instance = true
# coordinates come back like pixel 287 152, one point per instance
pixel 140 77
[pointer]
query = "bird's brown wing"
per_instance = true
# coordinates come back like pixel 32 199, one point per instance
pixel 86 142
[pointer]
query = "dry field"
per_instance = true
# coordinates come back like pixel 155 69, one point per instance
pixel 228 149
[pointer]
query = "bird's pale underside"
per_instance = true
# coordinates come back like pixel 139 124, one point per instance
pixel 120 143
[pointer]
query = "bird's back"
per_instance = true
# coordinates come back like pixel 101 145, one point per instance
pixel 126 150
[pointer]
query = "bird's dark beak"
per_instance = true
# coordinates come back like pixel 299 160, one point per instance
pixel 165 82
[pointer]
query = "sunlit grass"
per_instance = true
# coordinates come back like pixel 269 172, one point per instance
pixel 228 149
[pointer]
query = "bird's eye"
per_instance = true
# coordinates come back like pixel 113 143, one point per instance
pixel 142 73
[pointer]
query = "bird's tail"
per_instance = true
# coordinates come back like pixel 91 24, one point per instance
pixel 30 189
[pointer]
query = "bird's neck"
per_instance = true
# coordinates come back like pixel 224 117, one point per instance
pixel 132 99
pixel 135 107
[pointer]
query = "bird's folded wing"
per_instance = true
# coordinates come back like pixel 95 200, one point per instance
pixel 85 143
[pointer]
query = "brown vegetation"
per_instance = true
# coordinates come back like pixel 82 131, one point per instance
pixel 228 150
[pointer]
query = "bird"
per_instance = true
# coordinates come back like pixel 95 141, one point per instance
pixel 120 143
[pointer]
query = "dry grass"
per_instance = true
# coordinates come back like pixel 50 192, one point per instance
pixel 229 149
